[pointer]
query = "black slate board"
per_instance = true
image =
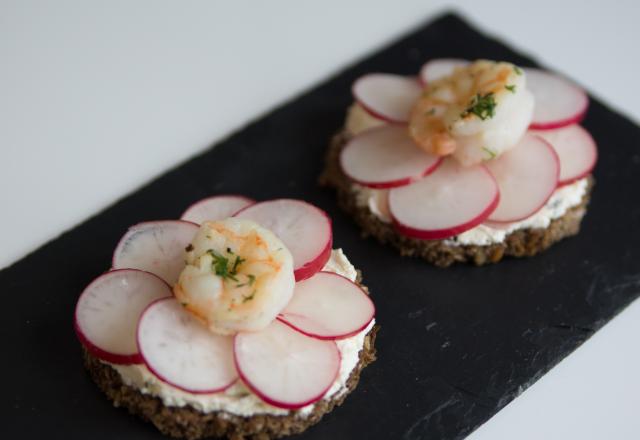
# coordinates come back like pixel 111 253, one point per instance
pixel 456 344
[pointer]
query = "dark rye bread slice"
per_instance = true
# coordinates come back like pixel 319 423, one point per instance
pixel 187 422
pixel 521 243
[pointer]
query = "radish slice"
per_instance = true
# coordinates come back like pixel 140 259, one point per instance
pixel 449 201
pixel 182 352
pixel 386 157
pixel 437 68
pixel 157 247
pixel 284 367
pixel 215 208
pixel 304 229
pixel 108 310
pixel 558 102
pixel 576 149
pixel 328 306
pixel 503 226
pixel 386 96
pixel 527 176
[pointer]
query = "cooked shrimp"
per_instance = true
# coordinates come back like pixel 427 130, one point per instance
pixel 238 277
pixel 474 114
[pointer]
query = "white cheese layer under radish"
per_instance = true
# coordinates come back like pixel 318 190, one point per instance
pixel 237 399
pixel 563 199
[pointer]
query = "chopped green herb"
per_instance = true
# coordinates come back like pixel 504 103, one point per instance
pixel 431 112
pixel 511 88
pixel 238 262
pixel 492 154
pixel 184 304
pixel 517 70
pixel 251 278
pixel 483 106
pixel 248 297
pixel 220 265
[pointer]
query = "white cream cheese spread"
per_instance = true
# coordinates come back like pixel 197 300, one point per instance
pixel 563 199
pixel 238 399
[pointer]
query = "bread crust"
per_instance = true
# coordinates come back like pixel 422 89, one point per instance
pixel 520 243
pixel 187 422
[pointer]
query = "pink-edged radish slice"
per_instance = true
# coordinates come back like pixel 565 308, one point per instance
pixel 437 68
pixel 328 306
pixel 215 208
pixel 108 311
pixel 284 367
pixel 527 176
pixel 558 101
pixel 386 96
pixel 157 247
pixel 181 351
pixel 497 225
pixel 576 149
pixel 304 229
pixel 449 201
pixel 385 157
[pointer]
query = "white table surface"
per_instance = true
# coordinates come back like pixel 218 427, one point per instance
pixel 97 98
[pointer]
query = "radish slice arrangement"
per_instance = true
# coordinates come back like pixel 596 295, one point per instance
pixel 385 157
pixel 129 316
pixel 328 306
pixel 156 247
pixel 526 176
pixel 304 229
pixel 179 350
pixel 430 198
pixel 387 97
pixel 216 208
pixel 284 367
pixel 576 150
pixel 107 313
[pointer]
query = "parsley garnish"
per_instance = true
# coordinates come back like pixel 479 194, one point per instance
pixel 511 88
pixel 483 106
pixel 238 262
pixel 431 112
pixel 517 70
pixel 249 297
pixel 251 278
pixel 220 265
pixel 491 153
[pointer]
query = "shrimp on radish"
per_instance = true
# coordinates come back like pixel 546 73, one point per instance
pixel 238 277
pixel 475 114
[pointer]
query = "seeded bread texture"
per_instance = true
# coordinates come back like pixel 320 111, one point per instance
pixel 187 422
pixel 520 243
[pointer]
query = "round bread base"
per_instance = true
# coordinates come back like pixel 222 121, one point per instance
pixel 188 422
pixel 520 243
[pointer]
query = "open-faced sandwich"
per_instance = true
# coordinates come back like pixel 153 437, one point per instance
pixel 470 162
pixel 239 321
